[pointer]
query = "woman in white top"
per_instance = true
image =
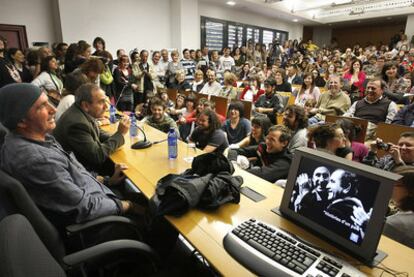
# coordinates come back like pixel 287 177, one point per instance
pixel 308 90
pixel 72 82
pixel 48 80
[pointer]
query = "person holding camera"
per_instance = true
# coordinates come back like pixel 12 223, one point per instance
pixel 397 155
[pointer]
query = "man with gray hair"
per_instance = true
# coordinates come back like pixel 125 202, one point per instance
pixel 77 130
pixel 333 102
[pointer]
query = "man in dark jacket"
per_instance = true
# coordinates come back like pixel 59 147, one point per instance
pixel 405 116
pixel 273 158
pixel 268 104
pixel 77 130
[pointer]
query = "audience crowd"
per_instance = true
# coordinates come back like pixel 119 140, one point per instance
pixel 374 83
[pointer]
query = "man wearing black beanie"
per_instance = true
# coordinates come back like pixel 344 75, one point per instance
pixel 55 180
pixel 58 184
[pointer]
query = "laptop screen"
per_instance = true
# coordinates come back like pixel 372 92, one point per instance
pixel 343 201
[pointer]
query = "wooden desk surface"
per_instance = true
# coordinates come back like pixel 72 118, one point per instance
pixel 206 230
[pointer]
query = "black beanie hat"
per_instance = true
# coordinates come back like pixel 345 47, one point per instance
pixel 15 102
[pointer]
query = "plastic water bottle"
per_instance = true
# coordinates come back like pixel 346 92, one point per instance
pixel 172 144
pixel 133 129
pixel 112 114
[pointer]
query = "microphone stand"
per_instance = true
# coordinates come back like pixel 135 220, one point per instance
pixel 120 95
pixel 141 144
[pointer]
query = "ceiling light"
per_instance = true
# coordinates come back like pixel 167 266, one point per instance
pixel 231 3
pixel 295 20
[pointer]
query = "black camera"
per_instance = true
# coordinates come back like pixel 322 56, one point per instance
pixel 384 146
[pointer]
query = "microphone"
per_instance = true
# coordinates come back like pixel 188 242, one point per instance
pixel 141 144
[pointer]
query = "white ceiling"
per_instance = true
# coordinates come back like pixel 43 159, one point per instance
pixel 316 12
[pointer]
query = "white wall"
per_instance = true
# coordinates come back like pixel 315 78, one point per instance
pixel 208 9
pixel 36 15
pixel 123 24
pixel 322 35
pixel 409 28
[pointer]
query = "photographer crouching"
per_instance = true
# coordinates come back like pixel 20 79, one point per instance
pixel 396 155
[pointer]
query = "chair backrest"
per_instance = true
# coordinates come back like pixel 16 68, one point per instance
pixel 20 202
pixel 221 104
pixel 22 253
pixel 172 94
pixel 390 133
pixel 362 123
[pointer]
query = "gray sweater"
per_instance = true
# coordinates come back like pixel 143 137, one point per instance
pixel 56 181
pixel 400 227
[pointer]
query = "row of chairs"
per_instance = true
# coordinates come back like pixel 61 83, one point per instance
pixel 30 245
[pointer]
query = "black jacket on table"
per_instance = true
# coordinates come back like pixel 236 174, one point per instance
pixel 269 166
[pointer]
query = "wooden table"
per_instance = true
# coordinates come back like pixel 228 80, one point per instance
pixel 206 230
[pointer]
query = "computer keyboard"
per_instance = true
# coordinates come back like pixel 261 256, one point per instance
pixel 269 251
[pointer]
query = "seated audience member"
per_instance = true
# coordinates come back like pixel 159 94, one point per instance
pixel 405 116
pixel 83 53
pixel 374 107
pixel 48 80
pixel 260 128
pixel 77 130
pixel 198 82
pixel 308 90
pixel 308 106
pixel 272 157
pixel 177 109
pixel 395 85
pixel 236 126
pixel 159 119
pixel 400 154
pixel 330 138
pixel 180 83
pixel 8 71
pixel 208 135
pixel 252 91
pixel 169 104
pixel 400 226
pixel 295 119
pixel 333 102
pixel 280 83
pixel 212 87
pixel 229 90
pixel 293 77
pixel 351 132
pixel 59 185
pixel 355 77
pixel 268 104
pixel 72 82
pixel 319 80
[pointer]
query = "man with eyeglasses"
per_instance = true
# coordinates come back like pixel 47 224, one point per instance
pixel 397 155
pixel 334 102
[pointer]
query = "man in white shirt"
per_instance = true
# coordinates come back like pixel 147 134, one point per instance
pixel 226 61
pixel 204 51
pixel 164 61
pixel 212 87
pixel 159 80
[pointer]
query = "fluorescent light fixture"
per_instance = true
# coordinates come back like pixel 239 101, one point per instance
pixel 295 20
pixel 231 3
